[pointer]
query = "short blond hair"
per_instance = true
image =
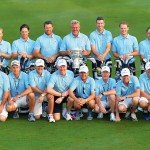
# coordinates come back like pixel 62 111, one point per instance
pixel 1 29
pixel 75 22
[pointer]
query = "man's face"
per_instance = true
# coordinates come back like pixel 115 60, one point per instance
pixel 75 28
pixel 39 69
pixel 100 25
pixel 24 33
pixel 148 34
pixel 124 29
pixel 83 76
pixel 48 29
pixel 1 34
pixel 148 72
pixel 62 69
pixel 126 79
pixel 105 75
pixel 15 69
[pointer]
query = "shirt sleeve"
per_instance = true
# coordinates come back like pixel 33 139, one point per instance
pixel 141 83
pixel 93 86
pixel 32 81
pixel 63 46
pixel 135 44
pixel 14 47
pixel 37 45
pixel 52 81
pixel 7 84
pixel 74 84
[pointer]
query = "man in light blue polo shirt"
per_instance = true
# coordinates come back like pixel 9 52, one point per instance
pixel 5 52
pixel 144 80
pixel 82 91
pixel 47 46
pixel 38 80
pixel 101 40
pixel 22 48
pixel 4 94
pixel 127 94
pixel 58 87
pixel 125 46
pixel 75 41
pixel 20 92
pixel 105 94
pixel 144 50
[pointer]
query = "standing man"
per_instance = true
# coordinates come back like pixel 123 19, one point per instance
pixel 4 95
pixel 5 53
pixel 144 101
pixel 125 46
pixel 82 92
pixel 58 87
pixel 101 40
pixel 105 94
pixel 38 80
pixel 75 41
pixel 20 92
pixel 47 46
pixel 127 94
pixel 144 49
pixel 23 47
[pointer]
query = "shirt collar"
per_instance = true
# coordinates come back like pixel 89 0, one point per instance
pixel 79 35
pixel 1 42
pixel 20 75
pixel 49 36
pixel 122 37
pixel 101 33
pixel 24 40
pixel 40 75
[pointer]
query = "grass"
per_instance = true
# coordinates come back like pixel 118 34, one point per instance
pixel 22 135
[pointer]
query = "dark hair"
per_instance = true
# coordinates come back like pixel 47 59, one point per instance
pixel 48 22
pixel 24 26
pixel 99 18
pixel 124 22
pixel 147 29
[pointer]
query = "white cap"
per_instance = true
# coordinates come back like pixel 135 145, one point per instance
pixel 125 72
pixel 105 68
pixel 147 66
pixel 61 62
pixel 39 62
pixel 15 62
pixel 83 68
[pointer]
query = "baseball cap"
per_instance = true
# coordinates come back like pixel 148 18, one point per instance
pixel 147 66
pixel 15 62
pixel 105 68
pixel 61 62
pixel 39 62
pixel 83 68
pixel 125 72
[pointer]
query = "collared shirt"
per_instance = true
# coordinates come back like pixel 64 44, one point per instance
pixel 18 85
pixel 124 45
pixel 123 90
pixel 5 47
pixel 4 84
pixel 144 48
pixel 59 82
pixel 144 82
pixel 39 81
pixel 102 86
pixel 48 45
pixel 100 41
pixel 83 89
pixel 71 42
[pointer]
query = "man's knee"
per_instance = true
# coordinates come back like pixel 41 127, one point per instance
pixel 3 118
pixel 11 108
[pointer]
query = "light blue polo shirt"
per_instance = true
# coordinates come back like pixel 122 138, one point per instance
pixel 59 82
pixel 71 42
pixel 48 45
pixel 83 89
pixel 5 47
pixel 100 41
pixel 123 90
pixel 124 45
pixel 144 83
pixel 18 85
pixel 102 86
pixel 144 48
pixel 39 81
pixel 4 84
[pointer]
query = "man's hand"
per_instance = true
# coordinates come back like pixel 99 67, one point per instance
pixel 41 99
pixel 64 94
pixel 59 100
pixel 100 57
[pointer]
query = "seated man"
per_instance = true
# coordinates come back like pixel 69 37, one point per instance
pixel 58 87
pixel 20 92
pixel 82 92
pixel 4 94
pixel 127 94
pixel 38 80
pixel 144 101
pixel 105 94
